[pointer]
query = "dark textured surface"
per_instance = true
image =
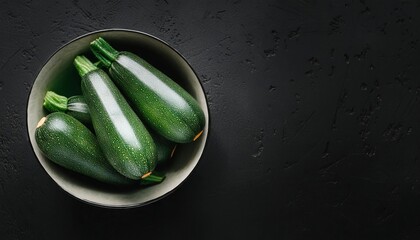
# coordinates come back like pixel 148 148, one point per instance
pixel 315 122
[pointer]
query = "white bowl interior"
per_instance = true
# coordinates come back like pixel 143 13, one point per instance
pixel 59 75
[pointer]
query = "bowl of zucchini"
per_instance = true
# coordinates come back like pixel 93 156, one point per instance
pixel 117 118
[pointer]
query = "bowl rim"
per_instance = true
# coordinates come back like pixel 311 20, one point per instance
pixel 125 206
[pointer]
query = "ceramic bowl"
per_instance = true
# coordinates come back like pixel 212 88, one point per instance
pixel 58 74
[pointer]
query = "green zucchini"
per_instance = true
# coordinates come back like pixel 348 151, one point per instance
pixel 160 102
pixel 74 106
pixel 165 148
pixel 77 108
pixel 122 136
pixel 68 143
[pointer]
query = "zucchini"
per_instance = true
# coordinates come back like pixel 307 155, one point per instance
pixel 122 136
pixel 160 102
pixel 77 108
pixel 165 148
pixel 74 106
pixel 68 143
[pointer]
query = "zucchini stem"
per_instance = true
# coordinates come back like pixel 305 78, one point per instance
pixel 41 122
pixel 99 64
pixel 146 175
pixel 173 151
pixel 104 51
pixel 153 178
pixel 198 135
pixel 54 102
pixel 84 65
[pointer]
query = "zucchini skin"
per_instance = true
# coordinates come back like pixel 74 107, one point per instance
pixel 122 136
pixel 160 102
pixel 165 148
pixel 77 108
pixel 68 143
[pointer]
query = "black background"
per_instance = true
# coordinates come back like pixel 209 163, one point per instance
pixel 315 123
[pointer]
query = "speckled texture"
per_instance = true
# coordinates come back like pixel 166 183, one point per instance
pixel 122 136
pixel 314 120
pixel 68 143
pixel 160 102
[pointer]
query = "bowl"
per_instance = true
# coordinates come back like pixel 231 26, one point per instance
pixel 59 74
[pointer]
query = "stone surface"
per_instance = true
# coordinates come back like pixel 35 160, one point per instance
pixel 314 121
